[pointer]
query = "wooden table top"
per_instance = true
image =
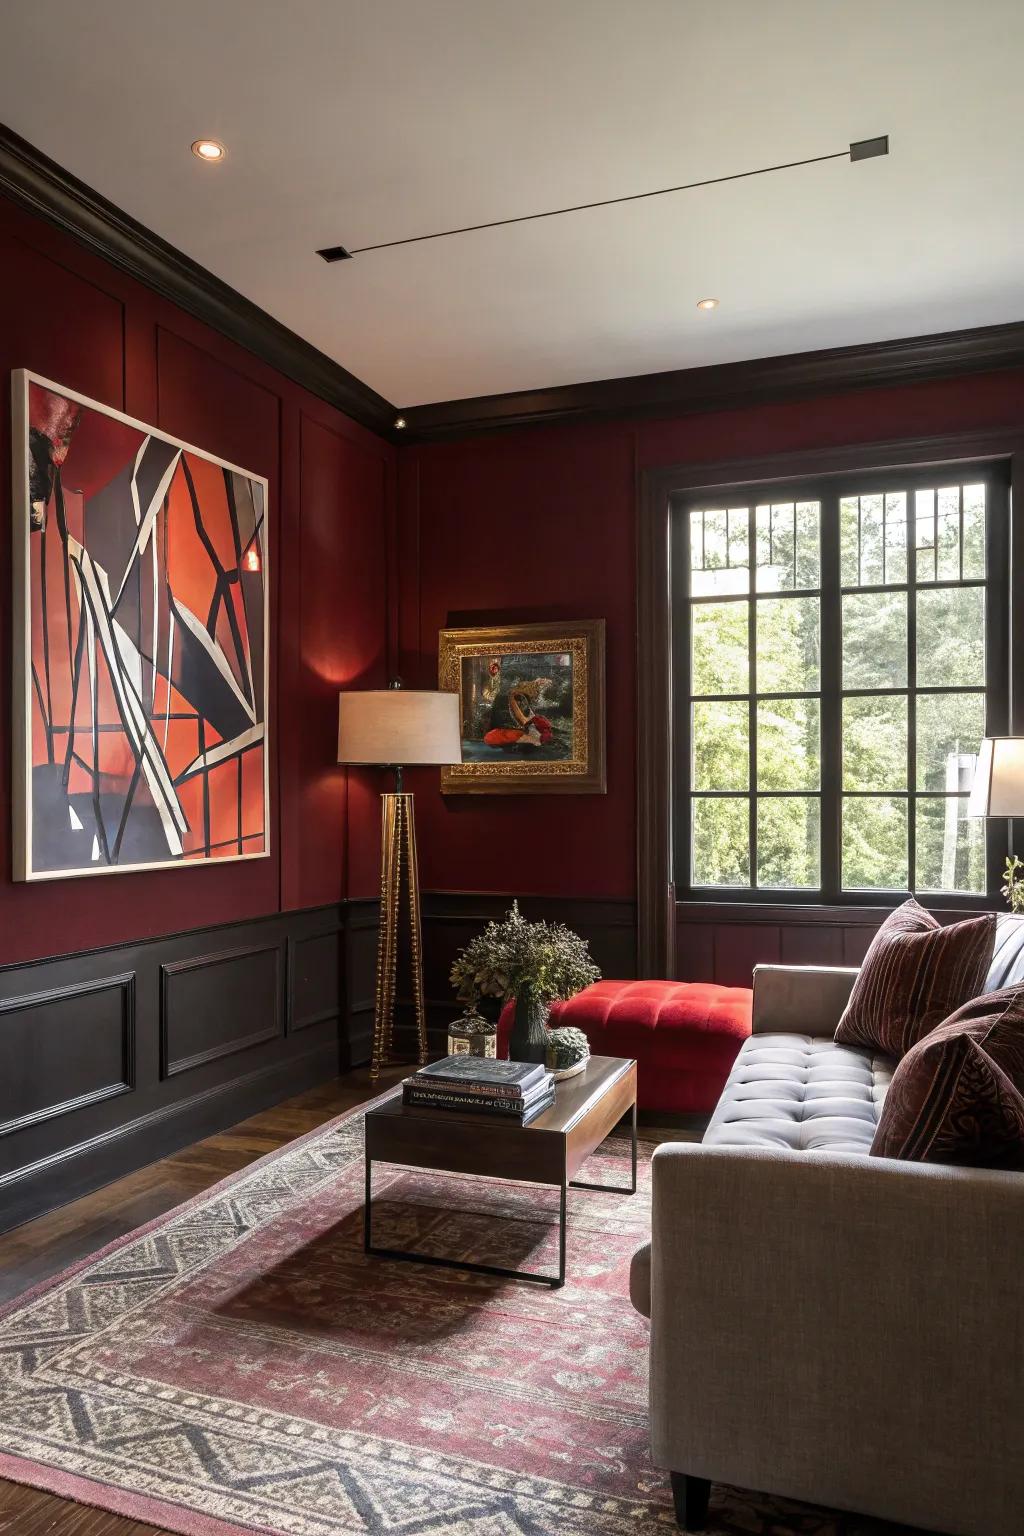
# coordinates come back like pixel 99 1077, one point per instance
pixel 575 1097
pixel 547 1151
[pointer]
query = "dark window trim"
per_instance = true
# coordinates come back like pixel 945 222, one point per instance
pixel 656 899
pixel 826 491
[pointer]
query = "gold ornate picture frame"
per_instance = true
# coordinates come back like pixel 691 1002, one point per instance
pixel 532 703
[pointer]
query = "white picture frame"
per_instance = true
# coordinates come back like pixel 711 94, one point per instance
pixel 89 594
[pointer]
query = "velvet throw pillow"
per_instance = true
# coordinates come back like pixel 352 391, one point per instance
pixel 914 975
pixel 958 1095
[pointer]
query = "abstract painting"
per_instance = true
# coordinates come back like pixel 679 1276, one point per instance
pixel 532 705
pixel 141 644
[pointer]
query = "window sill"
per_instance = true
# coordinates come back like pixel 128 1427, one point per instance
pixel 726 909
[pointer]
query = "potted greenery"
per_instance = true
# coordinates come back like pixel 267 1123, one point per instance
pixel 531 962
pixel 568 1051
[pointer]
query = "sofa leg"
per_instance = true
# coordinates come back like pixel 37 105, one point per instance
pixel 690 1496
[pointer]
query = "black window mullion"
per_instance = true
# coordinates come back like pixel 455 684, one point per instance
pixel 830 683
pixel 998 833
pixel 912 695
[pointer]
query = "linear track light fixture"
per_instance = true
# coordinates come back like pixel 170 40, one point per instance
pixel 863 149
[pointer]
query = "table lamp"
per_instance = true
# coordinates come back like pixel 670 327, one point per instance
pixel 998 790
pixel 398 727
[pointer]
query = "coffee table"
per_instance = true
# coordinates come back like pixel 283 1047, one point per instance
pixel 548 1151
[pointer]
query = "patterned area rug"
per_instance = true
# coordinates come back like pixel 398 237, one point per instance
pixel 241 1365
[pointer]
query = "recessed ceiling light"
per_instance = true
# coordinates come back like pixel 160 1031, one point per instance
pixel 707 303
pixel 208 149
pixel 400 422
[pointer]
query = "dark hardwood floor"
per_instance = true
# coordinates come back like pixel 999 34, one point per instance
pixel 48 1245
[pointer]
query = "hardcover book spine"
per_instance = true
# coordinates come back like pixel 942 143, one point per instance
pixel 510 1091
pixel 440 1098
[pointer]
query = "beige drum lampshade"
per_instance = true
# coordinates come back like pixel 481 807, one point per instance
pixel 999 778
pixel 399 726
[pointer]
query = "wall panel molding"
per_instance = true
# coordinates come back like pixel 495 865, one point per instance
pixel 141 1048
pixel 50 1000
pixel 362 924
pixel 311 975
pixel 75 1170
pixel 229 989
pixel 722 941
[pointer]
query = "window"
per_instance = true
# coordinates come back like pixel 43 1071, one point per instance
pixel 838 651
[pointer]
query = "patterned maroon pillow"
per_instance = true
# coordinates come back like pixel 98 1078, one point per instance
pixel 914 975
pixel 958 1095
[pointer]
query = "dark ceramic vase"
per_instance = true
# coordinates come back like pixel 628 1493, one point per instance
pixel 529 1038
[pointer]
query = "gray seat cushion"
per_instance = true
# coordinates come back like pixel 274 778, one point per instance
pixel 1007 966
pixel 801 1092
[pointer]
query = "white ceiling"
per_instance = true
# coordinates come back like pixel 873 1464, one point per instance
pixel 358 121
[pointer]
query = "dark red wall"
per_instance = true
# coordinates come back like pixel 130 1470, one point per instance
pixel 69 316
pixel 529 525
pixel 540 524
pixel 519 528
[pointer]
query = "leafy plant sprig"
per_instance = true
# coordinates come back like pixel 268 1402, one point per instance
pixel 1013 890
pixel 514 956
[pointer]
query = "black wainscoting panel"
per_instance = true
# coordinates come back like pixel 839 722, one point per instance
pixel 695 951
pixel 216 1005
pixel 84 1031
pixel 722 941
pixel 112 1058
pixel 741 946
pixel 361 929
pixel 805 944
pixel 314 965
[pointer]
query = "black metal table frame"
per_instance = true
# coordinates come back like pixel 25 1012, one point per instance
pixel 555 1281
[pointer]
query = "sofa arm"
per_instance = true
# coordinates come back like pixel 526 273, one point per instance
pixel 800 999
pixel 842 1329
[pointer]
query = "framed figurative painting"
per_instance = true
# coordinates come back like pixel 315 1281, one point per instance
pixel 141 645
pixel 532 705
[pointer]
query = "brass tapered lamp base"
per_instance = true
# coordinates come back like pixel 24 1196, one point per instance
pixel 399 878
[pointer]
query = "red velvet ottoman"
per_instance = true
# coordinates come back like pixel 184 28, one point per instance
pixel 683 1034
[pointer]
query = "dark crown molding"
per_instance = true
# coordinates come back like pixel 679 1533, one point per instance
pixel 34 181
pixel 726 386
pixel 37 183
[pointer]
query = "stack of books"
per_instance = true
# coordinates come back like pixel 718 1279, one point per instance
pixel 511 1090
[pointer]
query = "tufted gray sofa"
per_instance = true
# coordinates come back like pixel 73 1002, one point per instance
pixel 826 1325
